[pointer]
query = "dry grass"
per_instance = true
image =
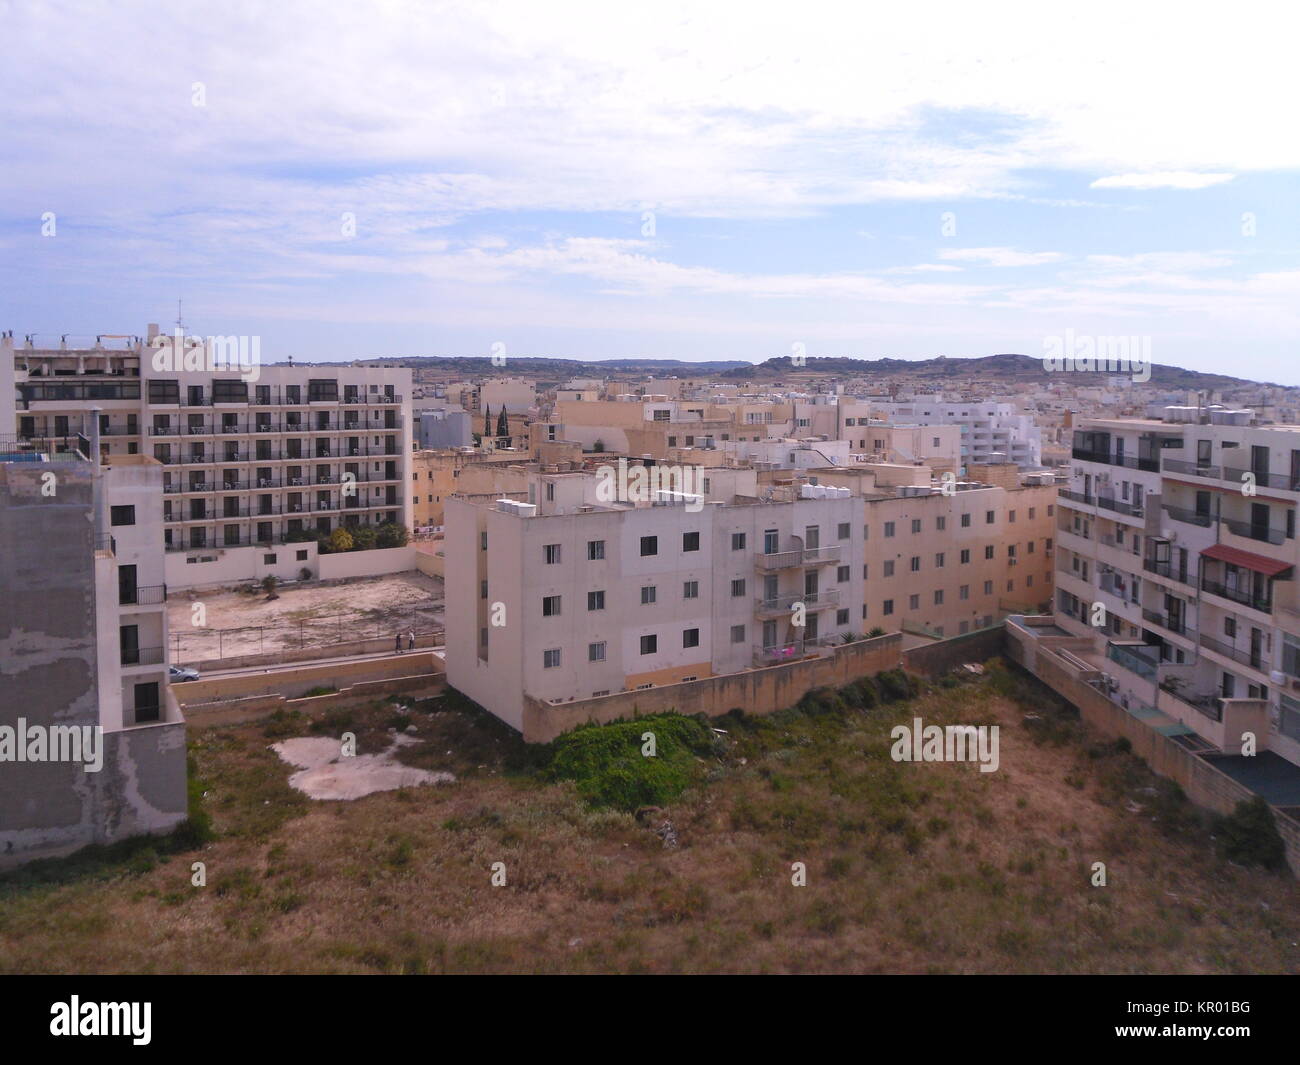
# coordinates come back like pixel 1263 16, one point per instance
pixel 911 868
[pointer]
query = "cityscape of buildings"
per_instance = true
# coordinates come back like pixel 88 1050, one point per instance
pixel 1148 536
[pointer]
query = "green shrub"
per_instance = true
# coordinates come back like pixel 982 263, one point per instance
pixel 606 763
pixel 895 685
pixel 1249 835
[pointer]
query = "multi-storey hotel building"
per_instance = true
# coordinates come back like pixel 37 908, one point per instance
pixel 258 461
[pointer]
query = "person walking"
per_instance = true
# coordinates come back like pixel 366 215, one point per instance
pixel 410 640
pixel 397 647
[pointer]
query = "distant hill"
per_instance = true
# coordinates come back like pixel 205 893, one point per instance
pixel 1006 367
pixel 995 367
pixel 480 365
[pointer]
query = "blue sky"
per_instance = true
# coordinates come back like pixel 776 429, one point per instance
pixel 946 179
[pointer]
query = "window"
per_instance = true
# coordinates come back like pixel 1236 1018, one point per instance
pixel 122 515
pixel 1011 550
pixel 916 525
pixel 302 556
pixel 889 529
pixel 887 607
pixel 915 563
pixel 649 545
pixel 864 571
pixel 965 521
pixel 938 597
pixel 551 552
pixel 965 555
pixel 596 600
pixel 1051 509
pixel 771 540
pixel 737 633
pixel 988 551
pixel 737 541
pixel 889 567
pixel 595 550
pixel 1011 514
pixel 551 659
pixel 648 594
pixel 738 588
pixel 649 644
pixel 938 560
pixel 963 592
pixel 690 637
pixel 841 617
pixel 988 587
pixel 690 541
pixel 482 541
pixel 913 602
pixel 989 516
pixel 268 560
pixel 941 523
pixel 843 530
pixel 482 589
pixel 842 573
pixel 551 606
pixel 596 652
pixel 1031 513
pixel 691 590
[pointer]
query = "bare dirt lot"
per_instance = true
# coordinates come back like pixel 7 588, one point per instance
pixel 304 615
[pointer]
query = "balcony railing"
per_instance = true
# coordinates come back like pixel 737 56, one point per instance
pixel 1166 621
pixel 811 600
pixel 142 595
pixel 1130 462
pixel 1075 497
pixel 1211 705
pixel 1239 595
pixel 142 656
pixel 1168 569
pixel 1252 531
pixel 1119 506
pixel 1188 517
pixel 1237 654
pixel 1282 481
pixel 1193 469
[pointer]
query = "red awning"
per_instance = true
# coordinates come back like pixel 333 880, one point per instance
pixel 1270 567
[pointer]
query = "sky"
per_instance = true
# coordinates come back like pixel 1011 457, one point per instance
pixel 692 181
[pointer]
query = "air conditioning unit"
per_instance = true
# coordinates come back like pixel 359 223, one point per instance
pixel 1277 677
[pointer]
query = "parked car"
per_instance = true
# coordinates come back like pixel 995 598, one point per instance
pixel 179 673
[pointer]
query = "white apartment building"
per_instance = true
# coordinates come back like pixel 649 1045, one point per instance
pixel 1184 529
pixel 569 597
pixel 256 465
pixel 988 429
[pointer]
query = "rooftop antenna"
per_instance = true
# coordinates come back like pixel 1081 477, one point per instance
pixel 180 320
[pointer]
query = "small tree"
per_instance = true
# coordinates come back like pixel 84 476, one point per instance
pixel 503 422
pixel 487 420
pixel 598 447
pixel 268 586
pixel 393 534
pixel 363 538
pixel 340 540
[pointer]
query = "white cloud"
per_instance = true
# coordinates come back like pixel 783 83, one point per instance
pixel 1169 179
pixel 1000 257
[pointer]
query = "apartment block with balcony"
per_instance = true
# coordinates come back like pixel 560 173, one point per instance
pixel 1185 531
pixel 990 431
pixel 568 597
pixel 83 644
pixel 252 467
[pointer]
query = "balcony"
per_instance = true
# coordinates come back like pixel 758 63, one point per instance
pixel 1188 517
pixel 1209 704
pixel 783 604
pixel 1255 660
pixel 1243 596
pixel 1129 462
pixel 1253 531
pixel 778 654
pixel 1282 482
pixel 1192 469
pixel 774 560
pixel 1167 569
pixel 1169 622
pixel 142 656
pixel 143 595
